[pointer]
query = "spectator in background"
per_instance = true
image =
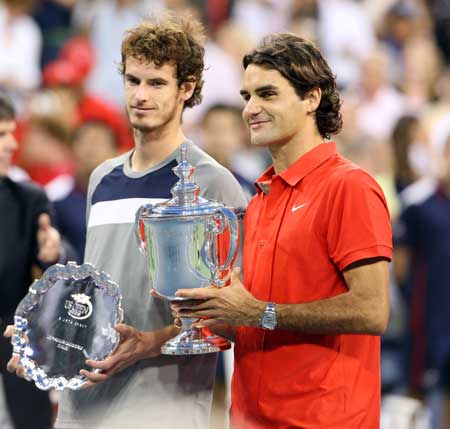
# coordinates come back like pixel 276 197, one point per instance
pixel 378 104
pixel 66 77
pixel 223 136
pixel 93 142
pixel 346 35
pixel 46 154
pixel 20 50
pixel 440 10
pixel 106 24
pixel 422 256
pixel 54 18
pixel 412 155
pixel 27 239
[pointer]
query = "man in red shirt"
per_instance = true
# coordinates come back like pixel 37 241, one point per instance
pixel 315 295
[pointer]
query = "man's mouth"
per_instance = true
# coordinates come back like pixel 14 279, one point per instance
pixel 142 109
pixel 258 123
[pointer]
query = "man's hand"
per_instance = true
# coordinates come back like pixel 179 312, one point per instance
pixel 233 305
pixel 134 345
pixel 49 240
pixel 13 363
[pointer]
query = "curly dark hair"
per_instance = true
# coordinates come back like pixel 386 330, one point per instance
pixel 302 64
pixel 7 111
pixel 177 40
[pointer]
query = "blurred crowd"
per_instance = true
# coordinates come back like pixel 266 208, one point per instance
pixel 58 63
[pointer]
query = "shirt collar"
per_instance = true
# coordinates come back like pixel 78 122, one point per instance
pixel 300 168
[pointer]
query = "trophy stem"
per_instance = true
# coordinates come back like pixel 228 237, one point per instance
pixel 190 341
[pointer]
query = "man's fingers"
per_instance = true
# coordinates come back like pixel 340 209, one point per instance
pixel 192 304
pixel 206 323
pixel 12 364
pixel 105 365
pixel 94 377
pixel 44 222
pixel 154 294
pixel 124 330
pixel 197 314
pixel 198 293
pixel 235 274
pixel 9 331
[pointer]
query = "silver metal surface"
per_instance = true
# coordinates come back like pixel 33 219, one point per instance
pixel 190 242
pixel 67 316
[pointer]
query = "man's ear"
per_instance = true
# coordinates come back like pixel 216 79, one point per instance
pixel 188 87
pixel 313 98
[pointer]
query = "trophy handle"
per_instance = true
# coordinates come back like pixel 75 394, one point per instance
pixel 139 227
pixel 217 225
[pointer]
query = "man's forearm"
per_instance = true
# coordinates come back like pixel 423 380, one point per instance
pixel 341 314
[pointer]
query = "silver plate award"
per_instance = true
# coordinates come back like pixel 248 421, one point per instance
pixel 67 316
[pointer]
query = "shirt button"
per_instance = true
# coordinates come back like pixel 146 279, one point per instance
pixel 262 243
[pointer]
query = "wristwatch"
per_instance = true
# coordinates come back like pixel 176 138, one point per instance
pixel 268 319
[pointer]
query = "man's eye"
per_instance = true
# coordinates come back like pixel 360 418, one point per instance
pixel 267 94
pixel 132 80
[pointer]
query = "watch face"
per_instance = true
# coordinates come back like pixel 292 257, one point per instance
pixel 269 321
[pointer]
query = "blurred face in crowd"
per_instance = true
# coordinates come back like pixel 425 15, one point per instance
pixel 42 145
pixel 373 73
pixel 153 97
pixel 8 145
pixel 273 111
pixel 223 134
pixel 93 143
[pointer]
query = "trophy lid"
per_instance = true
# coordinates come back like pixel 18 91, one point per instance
pixel 186 198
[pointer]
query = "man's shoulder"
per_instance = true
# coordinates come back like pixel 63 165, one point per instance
pixel 105 168
pixel 29 189
pixel 344 172
pixel 110 164
pixel 216 181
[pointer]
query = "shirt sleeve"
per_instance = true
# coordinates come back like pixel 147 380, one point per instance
pixel 359 226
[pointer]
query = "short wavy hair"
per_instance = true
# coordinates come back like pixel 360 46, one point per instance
pixel 302 64
pixel 169 39
pixel 7 111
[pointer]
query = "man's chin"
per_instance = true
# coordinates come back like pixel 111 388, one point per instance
pixel 143 128
pixel 259 141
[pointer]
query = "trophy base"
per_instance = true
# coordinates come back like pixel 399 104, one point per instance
pixel 192 341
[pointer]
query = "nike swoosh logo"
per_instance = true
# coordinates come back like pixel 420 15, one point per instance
pixel 295 208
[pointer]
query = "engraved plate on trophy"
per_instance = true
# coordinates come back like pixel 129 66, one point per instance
pixel 67 317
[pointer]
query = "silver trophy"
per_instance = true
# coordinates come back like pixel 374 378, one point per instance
pixel 67 316
pixel 190 242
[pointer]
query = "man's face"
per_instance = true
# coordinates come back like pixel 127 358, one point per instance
pixel 153 97
pixel 223 134
pixel 87 155
pixel 273 111
pixel 8 145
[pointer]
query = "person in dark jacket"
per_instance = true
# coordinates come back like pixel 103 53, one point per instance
pixel 28 243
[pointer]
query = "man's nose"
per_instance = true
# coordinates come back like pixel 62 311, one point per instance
pixel 252 108
pixel 142 92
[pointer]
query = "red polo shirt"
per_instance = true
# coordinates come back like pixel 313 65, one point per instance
pixel 301 230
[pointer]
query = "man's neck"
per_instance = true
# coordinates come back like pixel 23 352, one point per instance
pixel 153 147
pixel 284 155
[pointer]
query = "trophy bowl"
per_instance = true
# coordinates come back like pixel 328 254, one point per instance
pixel 190 242
pixel 67 317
